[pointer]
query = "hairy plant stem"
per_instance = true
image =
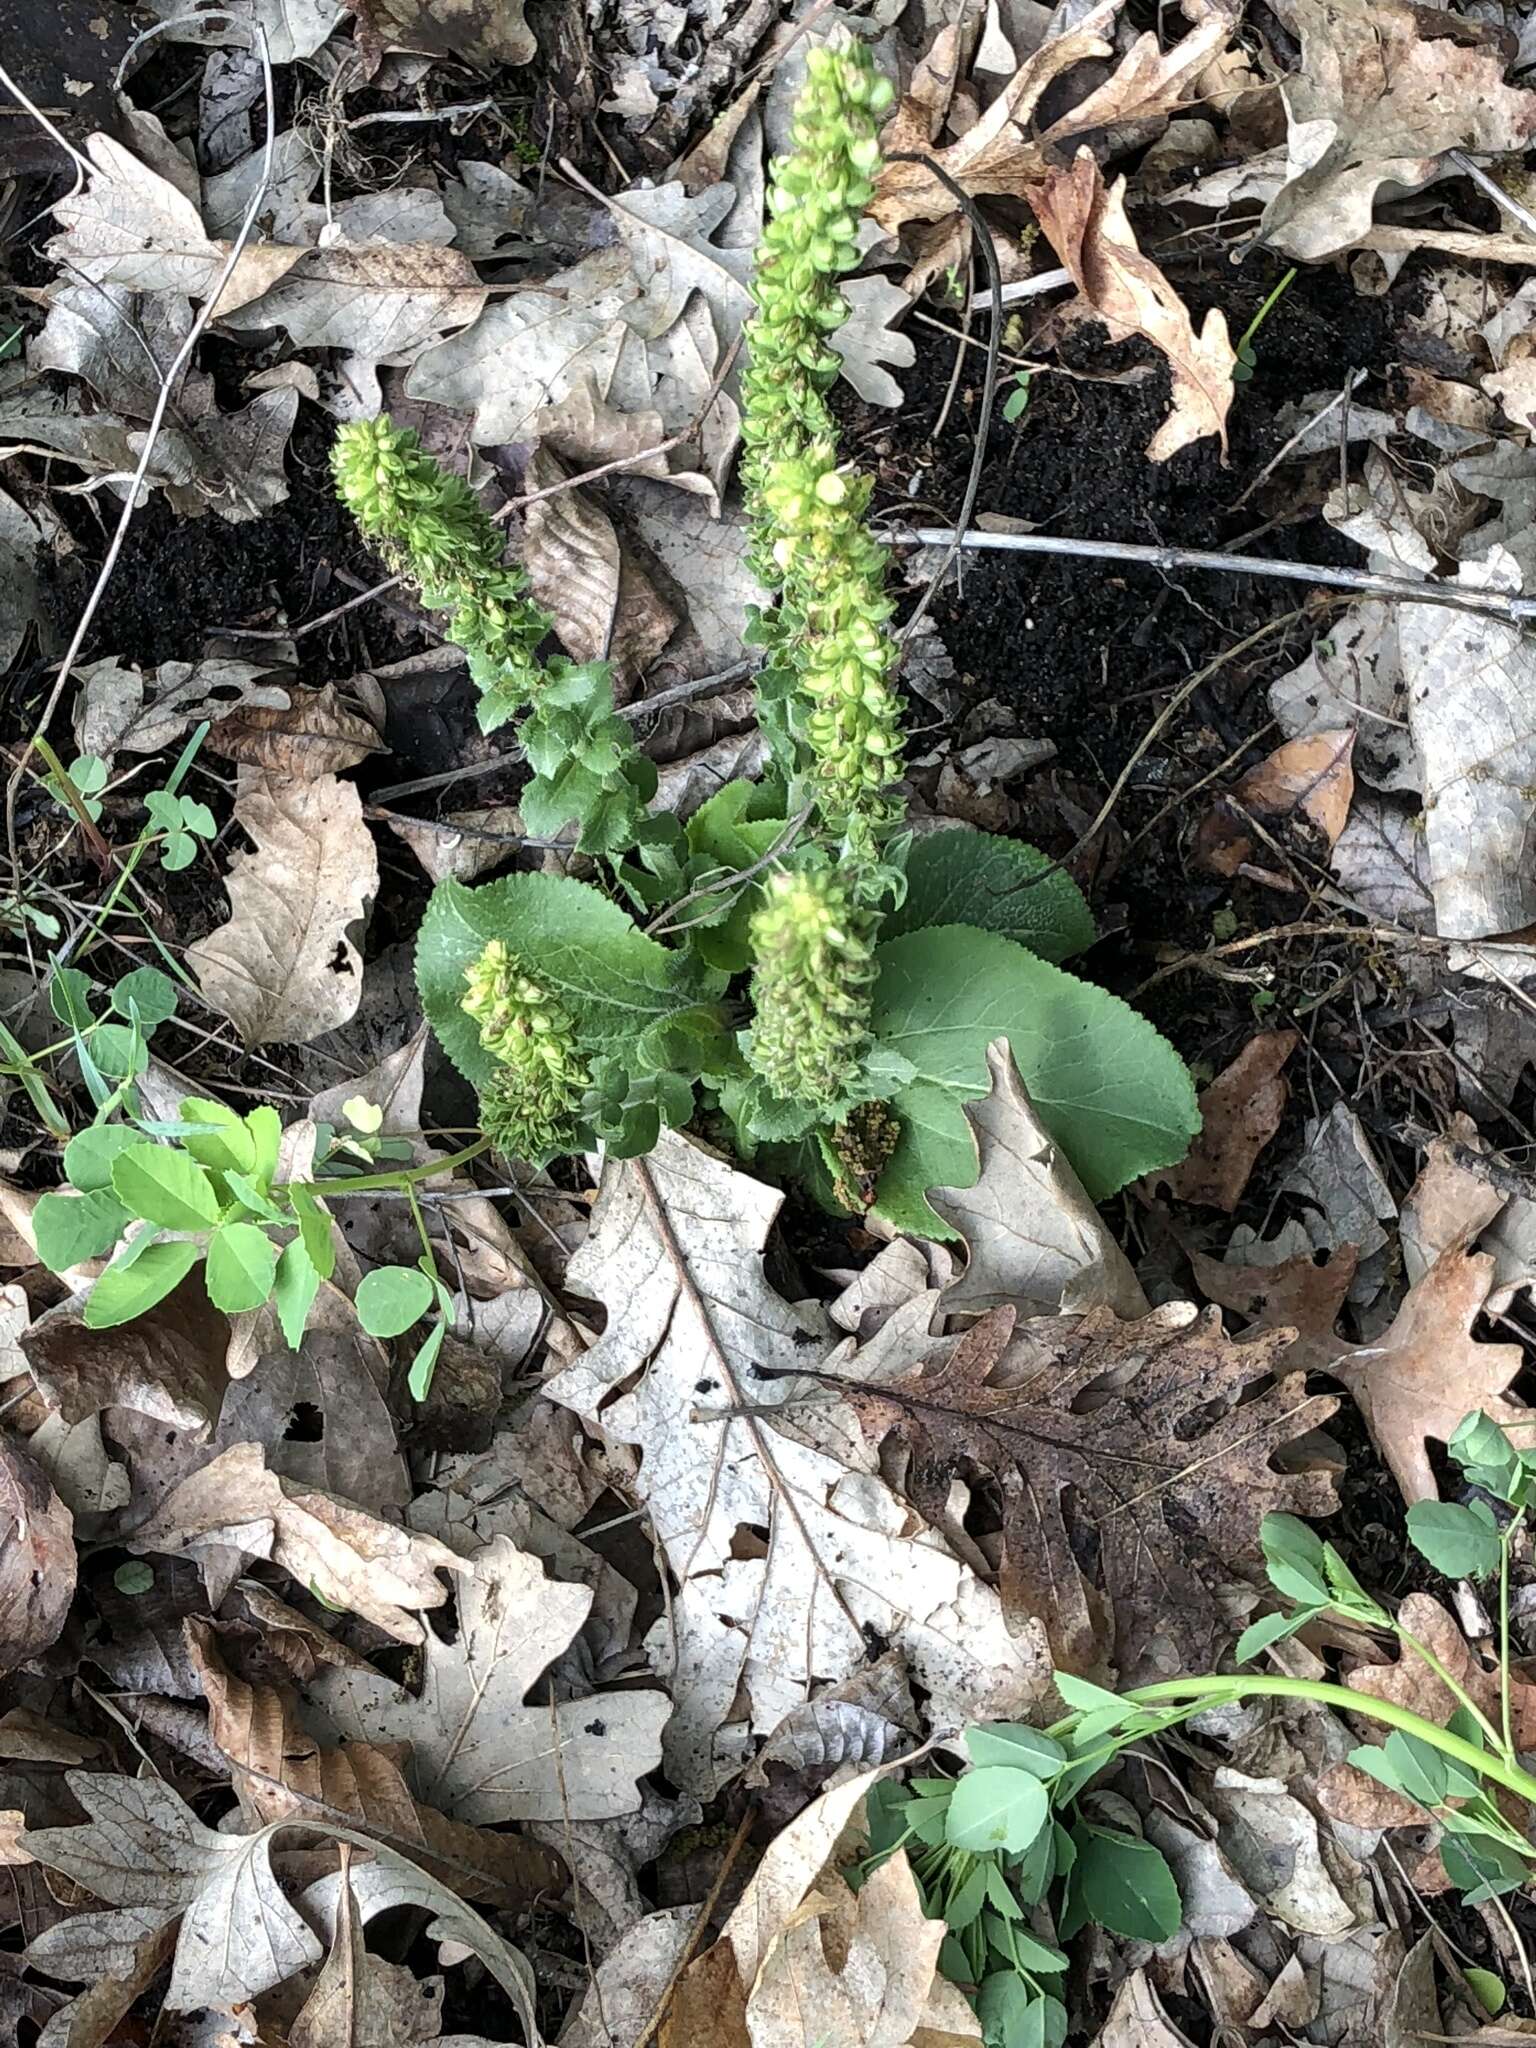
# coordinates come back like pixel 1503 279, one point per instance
pixel 1228 1689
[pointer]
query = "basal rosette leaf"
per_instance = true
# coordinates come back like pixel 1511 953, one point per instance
pixel 616 983
pixel 998 885
pixel 1107 1085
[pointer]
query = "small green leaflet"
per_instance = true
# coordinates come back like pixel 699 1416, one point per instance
pixel 1023 1748
pixel 1488 1990
pixel 89 1154
pixel 996 1808
pixel 1462 1542
pixel 391 1298
pixel 70 1228
pixel 165 1188
pixel 131 1289
pixel 1122 1883
pixel 242 1261
pixel 295 1285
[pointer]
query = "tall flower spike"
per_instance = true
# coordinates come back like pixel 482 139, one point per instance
pixel 430 524
pixel 811 987
pixel 531 1106
pixel 817 192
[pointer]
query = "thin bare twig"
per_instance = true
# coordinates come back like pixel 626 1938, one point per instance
pixel 1496 604
pixel 1495 192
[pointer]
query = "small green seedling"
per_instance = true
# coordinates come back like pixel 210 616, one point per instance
pixel 1247 361
pixel 1016 404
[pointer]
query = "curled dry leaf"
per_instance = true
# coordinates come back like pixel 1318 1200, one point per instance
pixel 314 733
pixel 1308 778
pixel 37 1559
pixel 1194 1418
pixel 361 2001
pixel 285 966
pixel 1085 223
pixel 280 1769
pixel 168 1363
pixel 1239 1113
pixel 478 1750
pixel 348 1558
pixel 603 604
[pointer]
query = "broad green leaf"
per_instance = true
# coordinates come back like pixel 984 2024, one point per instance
pixel 69 996
pixel 266 1129
pixel 165 1187
pixel 251 1198
pixel 885 1816
pixel 1025 1749
pixel 1421 1772
pixel 1123 1883
pixel 584 949
pixel 294 1287
pixel 1487 1457
pixel 1481 1867
pixel 70 1228
pixel 1269 1628
pixel 1462 1542
pixel 1293 1554
pixel 424 1364
pixel 242 1262
pixel 126 1291
pixel 997 1808
pixel 1489 1991
pixel 315 1229
pixel 1083 1696
pixel 1112 1092
pixel 391 1298
pixel 119 1051
pixel 149 991
pixel 89 1154
pixel 975 878
pixel 733 830
pixel 227 1142
pixel 1348 1592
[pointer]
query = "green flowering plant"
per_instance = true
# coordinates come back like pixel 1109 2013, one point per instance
pixel 811 976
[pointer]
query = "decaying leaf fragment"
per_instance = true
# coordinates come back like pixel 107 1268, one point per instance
pixel 1146 1437
pixel 1239 1113
pixel 1085 222
pixel 37 1558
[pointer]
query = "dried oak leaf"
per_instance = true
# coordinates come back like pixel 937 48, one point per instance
pixel 315 733
pixel 1308 779
pixel 362 2001
pixel 37 1559
pixel 281 1771
pixel 1085 223
pixel 1146 1446
pixel 1239 1113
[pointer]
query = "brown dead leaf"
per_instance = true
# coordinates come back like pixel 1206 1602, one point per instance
pixel 1137 2019
pixel 168 1363
pixel 1085 223
pixel 12 1824
pixel 1165 1464
pixel 709 2008
pixel 997 154
pixel 346 1557
pixel 1240 1112
pixel 316 734
pixel 602 603
pixel 480 32
pixel 1311 777
pixel 1294 1295
pixel 281 1771
pixel 1428 1371
pixel 285 966
pixel 37 1559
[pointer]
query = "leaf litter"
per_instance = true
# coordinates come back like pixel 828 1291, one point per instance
pixel 587 1669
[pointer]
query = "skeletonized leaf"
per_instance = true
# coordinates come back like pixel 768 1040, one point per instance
pixel 286 966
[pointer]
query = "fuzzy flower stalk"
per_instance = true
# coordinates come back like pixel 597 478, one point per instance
pixel 811 543
pixel 431 527
pixel 531 1107
pixel 812 983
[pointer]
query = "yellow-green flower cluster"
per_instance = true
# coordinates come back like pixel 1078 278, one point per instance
pixel 532 1103
pixel 812 982
pixel 843 652
pixel 817 193
pixel 430 526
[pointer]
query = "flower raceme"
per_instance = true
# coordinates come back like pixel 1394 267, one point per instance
pixel 431 526
pixel 531 1107
pixel 811 987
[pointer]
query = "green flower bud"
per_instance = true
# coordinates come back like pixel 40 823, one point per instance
pixel 531 1106
pixel 812 987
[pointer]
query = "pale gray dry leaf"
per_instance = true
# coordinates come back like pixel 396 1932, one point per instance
pixel 143 713
pixel 707 559
pixel 293 28
pixel 144 1851
pixel 132 227
pixel 488 207
pixel 285 967
pixel 1382 864
pixel 483 32
pixel 167 1363
pixel 869 1719
pixel 630 1981
pixel 286 214
pixel 76 1462
pixel 120 341
pixel 1354 677
pixel 1375 102
pixel 1032 1233
pixel 19 542
pixel 601 600
pixel 1271 1840
pixel 1215 1900
pixel 668 234
pixel 45 422
pixel 386 288
pixel 683 786
pixel 678 1239
pixel 867 339
pixel 478 1752
pixel 228 462
pixel 361 2001
pixel 345 1556
pixel 463 845
pixel 1341 1182
pixel 391 1881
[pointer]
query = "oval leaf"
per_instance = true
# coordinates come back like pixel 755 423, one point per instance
pixel 241 1263
pixel 996 1808
pixel 391 1298
pixel 165 1188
